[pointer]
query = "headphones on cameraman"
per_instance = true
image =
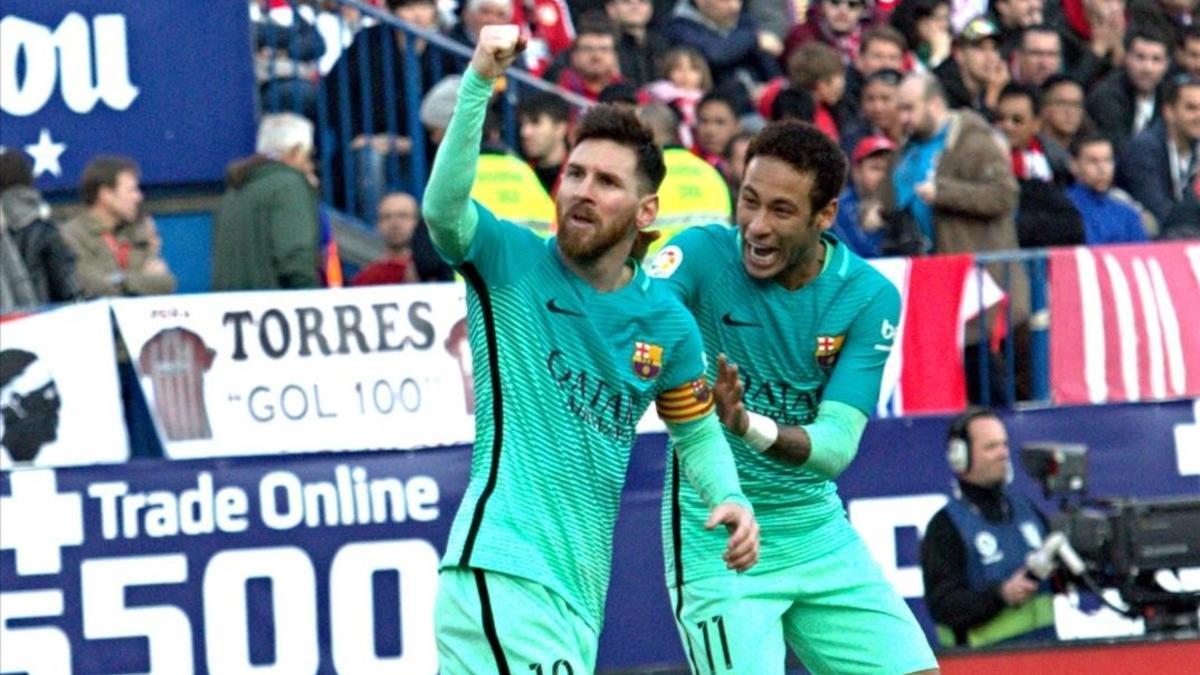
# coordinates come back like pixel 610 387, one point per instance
pixel 958 442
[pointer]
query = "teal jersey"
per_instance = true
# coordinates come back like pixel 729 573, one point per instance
pixel 563 373
pixel 827 340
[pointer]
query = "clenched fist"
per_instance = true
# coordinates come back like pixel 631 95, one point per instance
pixel 497 49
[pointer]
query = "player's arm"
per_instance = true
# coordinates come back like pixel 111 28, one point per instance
pixel 834 433
pixel 829 443
pixel 447 206
pixel 708 464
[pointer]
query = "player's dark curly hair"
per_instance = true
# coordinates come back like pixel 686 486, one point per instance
pixel 621 126
pixel 808 151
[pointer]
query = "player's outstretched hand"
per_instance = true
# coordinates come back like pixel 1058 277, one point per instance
pixel 728 394
pixel 742 551
pixel 496 50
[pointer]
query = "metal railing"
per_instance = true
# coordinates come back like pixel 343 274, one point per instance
pixel 346 181
pixel 1031 367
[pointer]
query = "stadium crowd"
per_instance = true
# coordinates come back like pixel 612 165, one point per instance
pixel 970 125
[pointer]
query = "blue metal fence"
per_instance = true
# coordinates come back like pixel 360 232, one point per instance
pixel 1028 365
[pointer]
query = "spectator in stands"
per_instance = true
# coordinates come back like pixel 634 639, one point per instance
pixel 1184 220
pixel 693 191
pixel 859 222
pixel 728 38
pixel 952 188
pixel 544 120
pixel 1045 216
pixel 437 107
pixel 43 260
pixel 1038 55
pixel 1093 39
pixel 507 185
pixel 1169 17
pixel 620 93
pixel 882 48
pixel 1062 111
pixel 396 224
pixel 16 291
pixel 1187 54
pixel 925 25
pixel 1158 165
pixel 265 232
pixel 685 79
pixel 548 28
pixel 475 15
pixel 735 161
pixel 880 116
pixel 287 47
pixel 837 23
pixel 1012 17
pixel 975 75
pixel 717 123
pixel 978 587
pixel 1106 220
pixel 793 104
pixel 639 50
pixel 1127 100
pixel 592 58
pixel 379 139
pixel 816 68
pixel 116 252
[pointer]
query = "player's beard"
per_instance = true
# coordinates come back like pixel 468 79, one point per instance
pixel 587 243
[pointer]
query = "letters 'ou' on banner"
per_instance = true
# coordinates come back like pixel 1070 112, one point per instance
pixel 59 394
pixel 295 371
pixel 135 76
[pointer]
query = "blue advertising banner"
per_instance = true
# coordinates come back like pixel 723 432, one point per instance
pixel 328 562
pixel 170 84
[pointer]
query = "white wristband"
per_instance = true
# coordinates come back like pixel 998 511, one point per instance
pixel 761 433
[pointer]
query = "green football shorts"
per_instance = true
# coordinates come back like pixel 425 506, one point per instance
pixel 837 613
pixel 489 622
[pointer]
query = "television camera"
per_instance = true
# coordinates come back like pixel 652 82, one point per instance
pixel 1118 542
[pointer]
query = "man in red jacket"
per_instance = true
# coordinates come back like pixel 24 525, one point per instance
pixel 397 221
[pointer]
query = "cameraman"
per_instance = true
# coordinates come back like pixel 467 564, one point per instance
pixel 973 558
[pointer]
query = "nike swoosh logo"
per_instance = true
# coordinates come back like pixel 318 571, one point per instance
pixel 728 320
pixel 554 307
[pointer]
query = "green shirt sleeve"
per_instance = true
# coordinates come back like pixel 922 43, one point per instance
pixel 834 437
pixel 447 202
pixel 707 460
pixel 856 377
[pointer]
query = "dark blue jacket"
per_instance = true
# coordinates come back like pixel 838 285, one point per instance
pixel 1144 170
pixel 726 52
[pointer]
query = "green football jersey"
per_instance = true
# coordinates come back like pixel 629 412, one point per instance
pixel 562 375
pixel 827 340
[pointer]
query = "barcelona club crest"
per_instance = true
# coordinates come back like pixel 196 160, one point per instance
pixel 827 349
pixel 701 390
pixel 647 360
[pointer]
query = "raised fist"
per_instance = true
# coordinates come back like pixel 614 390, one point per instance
pixel 497 49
